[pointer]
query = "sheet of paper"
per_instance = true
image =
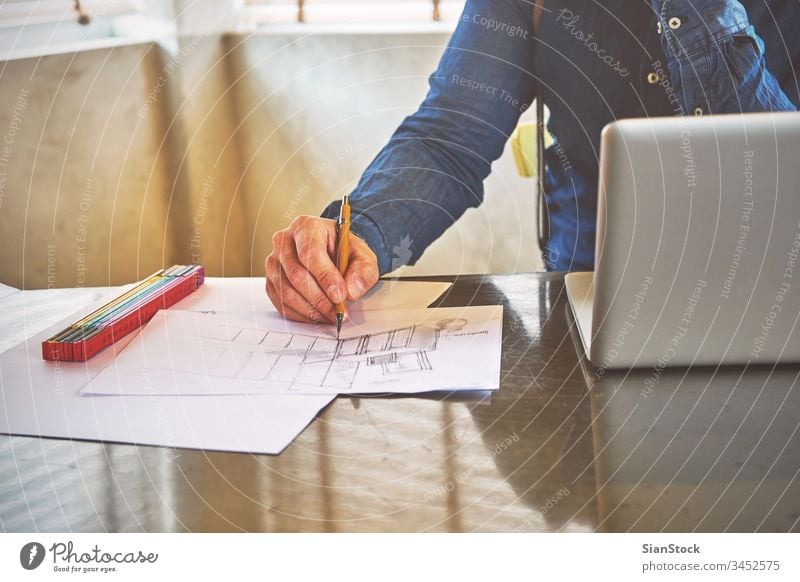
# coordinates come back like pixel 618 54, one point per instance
pixel 246 294
pixel 42 399
pixel 398 351
pixel 39 398
pixel 24 313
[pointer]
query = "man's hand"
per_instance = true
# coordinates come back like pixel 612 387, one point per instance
pixel 302 280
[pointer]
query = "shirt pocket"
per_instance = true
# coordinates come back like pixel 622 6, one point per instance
pixel 742 53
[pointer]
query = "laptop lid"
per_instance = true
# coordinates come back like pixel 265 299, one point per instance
pixel 698 242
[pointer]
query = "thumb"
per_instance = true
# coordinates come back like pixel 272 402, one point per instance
pixel 362 273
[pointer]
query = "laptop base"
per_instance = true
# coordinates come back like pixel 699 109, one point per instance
pixel 580 293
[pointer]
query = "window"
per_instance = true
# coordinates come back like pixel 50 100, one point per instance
pixel 37 27
pixel 266 12
pixel 44 26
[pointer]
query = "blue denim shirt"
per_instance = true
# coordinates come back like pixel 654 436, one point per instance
pixel 593 63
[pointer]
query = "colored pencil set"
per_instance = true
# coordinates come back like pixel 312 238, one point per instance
pixel 128 312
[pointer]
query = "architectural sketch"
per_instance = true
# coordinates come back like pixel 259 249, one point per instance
pixel 260 354
pixel 397 351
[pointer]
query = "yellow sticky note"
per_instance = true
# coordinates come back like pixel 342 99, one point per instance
pixel 523 144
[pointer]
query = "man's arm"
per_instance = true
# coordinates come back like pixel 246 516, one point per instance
pixel 432 169
pixel 430 172
pixel 716 59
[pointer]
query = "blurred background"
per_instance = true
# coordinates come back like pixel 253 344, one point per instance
pixel 138 134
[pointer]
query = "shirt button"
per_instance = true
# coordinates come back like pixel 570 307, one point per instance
pixel 653 78
pixel 674 23
pixel 698 111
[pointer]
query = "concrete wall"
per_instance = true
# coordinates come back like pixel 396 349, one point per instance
pixel 117 161
pixel 85 179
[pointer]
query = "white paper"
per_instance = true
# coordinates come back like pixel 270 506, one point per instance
pixel 39 398
pixel 398 351
pixel 246 294
pixel 25 313
pixel 42 398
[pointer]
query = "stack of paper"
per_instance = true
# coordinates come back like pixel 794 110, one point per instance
pixel 222 371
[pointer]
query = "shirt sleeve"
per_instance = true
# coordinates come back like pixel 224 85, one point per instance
pixel 433 167
pixel 715 58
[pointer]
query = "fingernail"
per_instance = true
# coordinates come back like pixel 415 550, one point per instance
pixel 335 294
pixel 356 287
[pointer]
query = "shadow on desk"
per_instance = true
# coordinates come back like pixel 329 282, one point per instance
pixel 543 400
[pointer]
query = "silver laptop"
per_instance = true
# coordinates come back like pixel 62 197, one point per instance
pixel 698 244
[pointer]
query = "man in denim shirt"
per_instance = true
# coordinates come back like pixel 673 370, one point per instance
pixel 592 63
